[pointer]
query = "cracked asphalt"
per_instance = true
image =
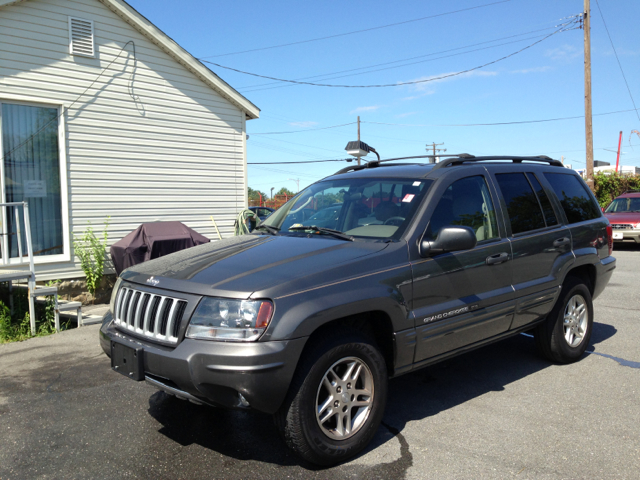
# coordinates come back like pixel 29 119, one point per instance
pixel 499 412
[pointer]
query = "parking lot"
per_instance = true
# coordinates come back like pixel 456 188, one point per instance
pixel 499 412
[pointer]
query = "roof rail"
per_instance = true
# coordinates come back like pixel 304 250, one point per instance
pixel 376 163
pixel 460 159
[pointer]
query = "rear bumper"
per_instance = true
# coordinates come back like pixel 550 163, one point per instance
pixel 216 372
pixel 604 270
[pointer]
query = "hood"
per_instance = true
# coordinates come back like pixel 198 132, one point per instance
pixel 239 266
pixel 623 217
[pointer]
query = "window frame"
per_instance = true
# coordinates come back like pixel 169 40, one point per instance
pixel 550 195
pixel 497 208
pixel 65 256
pixel 557 202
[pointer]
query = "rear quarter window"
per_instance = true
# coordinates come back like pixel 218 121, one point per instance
pixel 576 200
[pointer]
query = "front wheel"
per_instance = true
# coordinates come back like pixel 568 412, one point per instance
pixel 336 400
pixel 565 334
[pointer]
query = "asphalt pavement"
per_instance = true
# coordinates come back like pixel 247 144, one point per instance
pixel 499 412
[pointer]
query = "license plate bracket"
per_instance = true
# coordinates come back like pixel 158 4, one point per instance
pixel 128 361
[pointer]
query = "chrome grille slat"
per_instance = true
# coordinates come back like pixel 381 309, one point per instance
pixel 134 311
pixel 621 226
pixel 158 320
pixel 172 312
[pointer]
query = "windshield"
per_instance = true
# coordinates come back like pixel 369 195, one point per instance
pixel 629 204
pixel 359 207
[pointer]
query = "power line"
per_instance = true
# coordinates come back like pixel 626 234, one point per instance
pixel 357 31
pixel 398 84
pixel 496 123
pixel 333 76
pixel 619 64
pixel 302 161
pixel 305 130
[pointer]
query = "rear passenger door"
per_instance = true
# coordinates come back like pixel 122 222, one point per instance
pixel 540 244
pixel 461 298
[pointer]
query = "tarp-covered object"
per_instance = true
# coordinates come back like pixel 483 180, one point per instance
pixel 153 240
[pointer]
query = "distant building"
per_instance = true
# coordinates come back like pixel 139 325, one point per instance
pixel 102 115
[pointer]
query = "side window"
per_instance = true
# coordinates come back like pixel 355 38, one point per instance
pixel 574 197
pixel 545 203
pixel 524 210
pixel 466 202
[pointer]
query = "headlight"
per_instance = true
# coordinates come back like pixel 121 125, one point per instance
pixel 114 294
pixel 233 320
pixel 637 226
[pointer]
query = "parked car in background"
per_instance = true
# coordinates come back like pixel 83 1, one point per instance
pixel 262 212
pixel 624 216
pixel 424 262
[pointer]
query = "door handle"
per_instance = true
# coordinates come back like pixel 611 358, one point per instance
pixel 561 242
pixel 497 258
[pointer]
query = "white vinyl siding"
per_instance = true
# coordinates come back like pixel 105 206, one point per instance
pixel 144 144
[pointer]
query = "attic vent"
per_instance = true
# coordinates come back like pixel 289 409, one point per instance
pixel 80 37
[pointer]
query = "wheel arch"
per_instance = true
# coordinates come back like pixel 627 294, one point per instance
pixel 374 325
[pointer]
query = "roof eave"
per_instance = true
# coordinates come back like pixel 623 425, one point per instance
pixel 162 40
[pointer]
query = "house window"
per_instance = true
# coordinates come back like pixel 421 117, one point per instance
pixel 80 37
pixel 30 171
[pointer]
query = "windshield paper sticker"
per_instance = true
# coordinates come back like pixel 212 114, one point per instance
pixel 416 184
pixel 408 197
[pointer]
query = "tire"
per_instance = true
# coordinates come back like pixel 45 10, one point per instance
pixel 564 336
pixel 353 405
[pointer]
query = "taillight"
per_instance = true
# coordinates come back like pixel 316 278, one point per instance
pixel 610 238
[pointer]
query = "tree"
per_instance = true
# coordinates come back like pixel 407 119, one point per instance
pixel 255 194
pixel 285 191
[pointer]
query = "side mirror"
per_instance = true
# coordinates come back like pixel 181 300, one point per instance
pixel 449 239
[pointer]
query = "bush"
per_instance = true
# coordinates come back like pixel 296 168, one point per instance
pixel 92 253
pixel 18 327
pixel 610 186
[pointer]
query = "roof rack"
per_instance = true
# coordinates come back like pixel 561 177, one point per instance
pixel 460 159
pixel 377 163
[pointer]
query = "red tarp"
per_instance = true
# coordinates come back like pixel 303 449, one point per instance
pixel 153 240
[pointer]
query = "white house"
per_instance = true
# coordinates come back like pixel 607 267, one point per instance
pixel 103 115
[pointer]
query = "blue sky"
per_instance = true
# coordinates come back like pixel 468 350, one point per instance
pixel 542 82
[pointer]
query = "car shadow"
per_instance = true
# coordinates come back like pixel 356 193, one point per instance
pixel 243 435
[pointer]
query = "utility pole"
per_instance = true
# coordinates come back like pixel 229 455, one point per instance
pixel 297 180
pixel 588 123
pixel 434 145
pixel 358 135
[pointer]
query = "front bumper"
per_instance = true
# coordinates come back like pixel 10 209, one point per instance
pixel 627 235
pixel 216 372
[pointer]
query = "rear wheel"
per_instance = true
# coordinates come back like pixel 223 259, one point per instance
pixel 336 400
pixel 565 334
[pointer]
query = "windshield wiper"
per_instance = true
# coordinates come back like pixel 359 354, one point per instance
pixel 327 231
pixel 268 228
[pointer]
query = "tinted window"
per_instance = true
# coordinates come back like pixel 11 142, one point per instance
pixel 465 202
pixel 576 201
pixel 361 207
pixel 545 203
pixel 522 204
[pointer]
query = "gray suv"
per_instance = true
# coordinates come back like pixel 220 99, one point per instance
pixel 423 262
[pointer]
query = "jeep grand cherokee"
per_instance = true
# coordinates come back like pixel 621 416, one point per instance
pixel 420 262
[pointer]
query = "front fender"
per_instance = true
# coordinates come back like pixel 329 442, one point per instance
pixel 299 314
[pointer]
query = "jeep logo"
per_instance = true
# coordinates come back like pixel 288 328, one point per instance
pixel 153 281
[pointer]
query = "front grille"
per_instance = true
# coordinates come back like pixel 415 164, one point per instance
pixel 621 226
pixel 152 315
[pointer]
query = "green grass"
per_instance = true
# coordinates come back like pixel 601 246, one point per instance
pixel 16 327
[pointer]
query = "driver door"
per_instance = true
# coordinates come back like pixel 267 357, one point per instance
pixel 464 297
